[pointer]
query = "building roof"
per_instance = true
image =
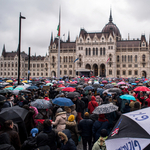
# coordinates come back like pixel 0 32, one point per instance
pixel 128 43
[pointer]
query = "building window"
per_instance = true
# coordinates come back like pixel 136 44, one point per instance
pixel 143 65
pixel 12 74
pixel 125 58
pixel 38 65
pixel 46 74
pixel 5 65
pixel 130 65
pixel 108 47
pixel 93 51
pixel 1 64
pixel 26 65
pixel 135 72
pixel 143 57
pixel 110 65
pixel 128 58
pixel 65 66
pixel 53 59
pixel 41 74
pixel 64 59
pixel 42 65
pixel 104 51
pixel 89 51
pixel 110 72
pixel 100 51
pixel 8 64
pixel 129 72
pixel 123 65
pixel 118 66
pixel 70 72
pixel 136 65
pixel 31 66
pixel 34 65
pixel 122 58
pixel 131 58
pixel 15 73
pixel 118 72
pixel 86 50
pixel 60 66
pixel 117 58
pixel 8 73
pixel 79 48
pixel 124 72
pixel 135 58
pixel 33 74
pixel 70 66
pixel 111 47
pixel 96 51
pixel 65 72
pixel 37 74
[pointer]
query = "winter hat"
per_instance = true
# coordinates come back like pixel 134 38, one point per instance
pixel 59 110
pixel 104 133
pixel 86 114
pixel 93 98
pixel 34 131
pixel 67 109
pixel 71 118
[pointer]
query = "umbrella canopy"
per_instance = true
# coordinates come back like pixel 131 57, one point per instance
pixel 127 97
pixel 2 98
pixel 5 91
pixel 131 131
pixel 61 101
pixel 100 91
pixel 80 86
pixel 105 109
pixel 96 86
pixel 141 88
pixel 88 88
pixel 32 88
pixel 69 89
pixel 9 81
pixel 49 84
pixel 72 85
pixel 114 90
pixel 9 88
pixel 104 81
pixel 59 89
pixel 72 94
pixel 108 86
pixel 133 83
pixel 15 113
pixel 24 91
pixel 16 92
pixel 41 104
pixel 121 83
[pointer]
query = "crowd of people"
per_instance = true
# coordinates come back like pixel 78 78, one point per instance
pixel 64 127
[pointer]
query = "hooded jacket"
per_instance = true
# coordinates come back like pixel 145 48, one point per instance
pixel 5 142
pixel 42 142
pixel 67 143
pixel 92 104
pixel 60 121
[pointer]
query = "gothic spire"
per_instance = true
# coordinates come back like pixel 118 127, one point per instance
pixel 110 18
pixel 4 50
pixel 68 36
pixel 51 41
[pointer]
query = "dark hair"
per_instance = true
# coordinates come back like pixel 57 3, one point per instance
pixel 8 123
pixel 46 123
pixel 103 133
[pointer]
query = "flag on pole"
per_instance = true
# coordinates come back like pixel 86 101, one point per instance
pixel 76 60
pixel 107 60
pixel 58 27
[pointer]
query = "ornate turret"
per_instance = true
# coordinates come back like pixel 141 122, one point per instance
pixel 51 41
pixel 110 18
pixel 4 50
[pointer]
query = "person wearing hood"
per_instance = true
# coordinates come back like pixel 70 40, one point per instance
pixel 67 142
pixel 92 104
pixel 60 121
pixel 85 129
pixel 5 142
pixel 53 138
pixel 72 126
pixel 101 123
pixel 100 143
pixel 42 142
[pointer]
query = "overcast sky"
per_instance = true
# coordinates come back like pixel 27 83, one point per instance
pixel 42 17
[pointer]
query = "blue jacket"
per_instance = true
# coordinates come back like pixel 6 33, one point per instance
pixel 85 126
pixel 97 127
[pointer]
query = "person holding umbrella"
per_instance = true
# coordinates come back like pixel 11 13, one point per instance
pixel 92 104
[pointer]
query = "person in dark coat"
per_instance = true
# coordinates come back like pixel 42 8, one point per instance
pixel 5 142
pixel 53 139
pixel 101 123
pixel 42 142
pixel 29 122
pixel 72 126
pixel 13 135
pixel 67 142
pixel 85 129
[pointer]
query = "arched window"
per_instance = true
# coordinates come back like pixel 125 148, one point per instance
pixel 143 57
pixel 104 51
pixel 86 51
pixel 96 51
pixel 71 58
pixel 5 65
pixel 100 51
pixel 131 58
pixel 16 64
pixel 46 65
pixel 118 58
pixel 64 59
pixel 135 58
pixel 60 59
pixel 8 64
pixel 1 64
pixel 53 59
pixel 93 51
pixel 89 51
pixel 125 58
pixel 122 58
pixel 12 64
pixel 128 58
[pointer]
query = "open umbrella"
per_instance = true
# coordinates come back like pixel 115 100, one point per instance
pixel 100 91
pixel 59 89
pixel 114 90
pixel 2 98
pixel 69 89
pixel 72 94
pixel 41 104
pixel 108 86
pixel 121 83
pixel 32 88
pixel 15 113
pixel 9 81
pixel 5 91
pixel 141 88
pixel 96 86
pixel 61 101
pixel 88 88
pixel 24 91
pixel 104 81
pixel 127 97
pixel 131 131
pixel 105 109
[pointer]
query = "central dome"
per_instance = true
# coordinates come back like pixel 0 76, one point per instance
pixel 111 27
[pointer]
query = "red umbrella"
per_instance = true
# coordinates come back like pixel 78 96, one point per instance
pixel 141 88
pixel 61 85
pixel 136 81
pixel 69 89
pixel 54 85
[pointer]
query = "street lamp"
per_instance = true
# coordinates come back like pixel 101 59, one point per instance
pixel 19 46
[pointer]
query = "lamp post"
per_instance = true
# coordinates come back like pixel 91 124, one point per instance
pixel 19 46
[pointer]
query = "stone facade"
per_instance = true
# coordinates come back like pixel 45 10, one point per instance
pixel 103 54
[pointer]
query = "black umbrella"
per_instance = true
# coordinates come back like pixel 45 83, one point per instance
pixel 2 98
pixel 72 85
pixel 15 113
pixel 108 86
pixel 80 86
pixel 5 91
pixel 114 90
pixel 24 91
pixel 96 86
pixel 72 94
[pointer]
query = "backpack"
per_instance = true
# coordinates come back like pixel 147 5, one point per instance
pixel 82 104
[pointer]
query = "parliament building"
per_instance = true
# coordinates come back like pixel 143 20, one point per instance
pixel 103 54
